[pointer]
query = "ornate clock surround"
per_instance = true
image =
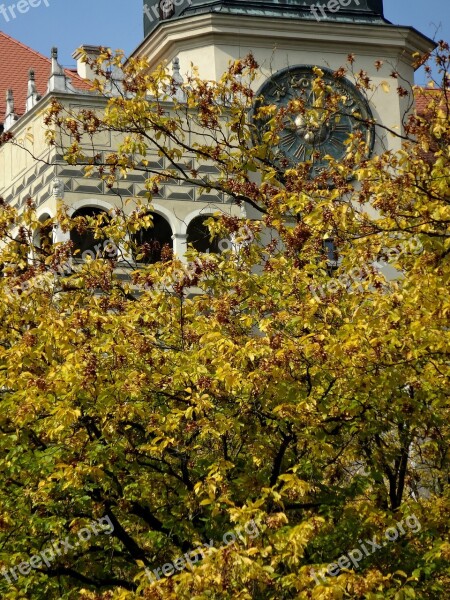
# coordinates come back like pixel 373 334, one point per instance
pixel 302 139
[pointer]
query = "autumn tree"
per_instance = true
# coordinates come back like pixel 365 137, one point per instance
pixel 293 386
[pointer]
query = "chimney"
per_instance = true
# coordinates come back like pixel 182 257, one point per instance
pixel 83 69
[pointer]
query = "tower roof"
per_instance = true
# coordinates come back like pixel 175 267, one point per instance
pixel 16 59
pixel 361 11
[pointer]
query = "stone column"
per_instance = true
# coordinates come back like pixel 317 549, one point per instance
pixel 180 245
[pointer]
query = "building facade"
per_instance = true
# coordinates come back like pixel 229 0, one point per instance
pixel 287 38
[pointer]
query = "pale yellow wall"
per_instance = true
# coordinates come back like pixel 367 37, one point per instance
pixel 18 159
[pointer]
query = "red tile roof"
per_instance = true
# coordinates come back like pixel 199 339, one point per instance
pixel 424 95
pixel 422 98
pixel 16 60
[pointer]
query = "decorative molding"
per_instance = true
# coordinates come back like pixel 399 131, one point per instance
pixel 58 188
pixel 197 31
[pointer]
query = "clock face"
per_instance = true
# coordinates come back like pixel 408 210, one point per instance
pixel 316 130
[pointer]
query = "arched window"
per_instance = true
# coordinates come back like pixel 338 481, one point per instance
pixel 84 240
pixel 199 236
pixel 154 243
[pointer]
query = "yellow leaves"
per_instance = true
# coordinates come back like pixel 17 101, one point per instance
pixel 207 501
pixel 211 337
pixel 401 573
pixel 318 72
pixel 291 547
pixel 159 445
pixel 228 376
pixel 385 86
pixel 292 482
pixel 190 412
pixel 122 594
pixel 441 213
pixel 27 137
pixel 247 321
pixel 328 593
pixel 63 417
pixel 197 487
pixel 269 136
pixel 266 110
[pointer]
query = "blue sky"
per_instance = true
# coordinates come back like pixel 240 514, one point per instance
pixel 68 24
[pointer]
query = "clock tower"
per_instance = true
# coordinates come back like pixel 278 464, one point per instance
pixel 285 35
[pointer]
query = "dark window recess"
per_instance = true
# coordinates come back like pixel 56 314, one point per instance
pixel 46 238
pixel 199 237
pixel 155 243
pixel 331 254
pixel 85 241
pixel 20 247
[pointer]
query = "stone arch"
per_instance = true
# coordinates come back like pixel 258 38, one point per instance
pixel 91 203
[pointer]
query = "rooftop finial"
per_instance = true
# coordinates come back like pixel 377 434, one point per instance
pixel 58 80
pixel 9 101
pixel 32 96
pixel 10 115
pixel 176 67
pixel 177 80
pixel 56 67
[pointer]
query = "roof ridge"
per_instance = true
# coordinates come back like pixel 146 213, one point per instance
pixel 39 55
pixel 19 43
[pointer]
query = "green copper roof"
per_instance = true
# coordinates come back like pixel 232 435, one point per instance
pixel 360 11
